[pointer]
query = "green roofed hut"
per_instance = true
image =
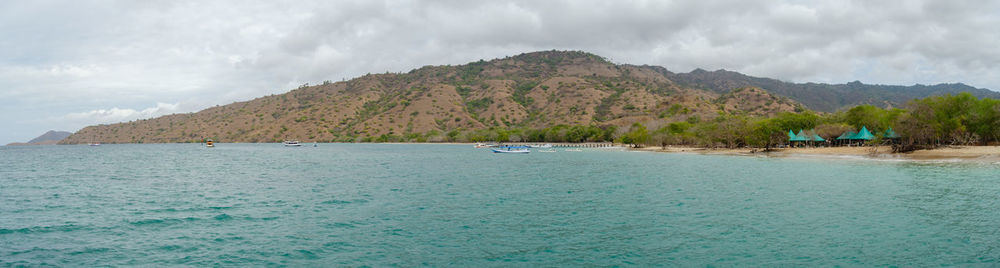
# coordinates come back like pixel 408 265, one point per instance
pixel 864 134
pixel 800 137
pixel 791 137
pixel 846 137
pixel 804 137
pixel 891 135
pixel 817 138
pixel 861 136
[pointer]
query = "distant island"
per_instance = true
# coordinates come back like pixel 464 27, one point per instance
pixel 50 137
pixel 558 96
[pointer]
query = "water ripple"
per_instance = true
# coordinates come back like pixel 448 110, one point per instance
pixel 450 205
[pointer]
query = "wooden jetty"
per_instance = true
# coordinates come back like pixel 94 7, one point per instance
pixel 567 144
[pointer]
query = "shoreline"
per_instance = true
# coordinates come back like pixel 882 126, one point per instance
pixel 990 154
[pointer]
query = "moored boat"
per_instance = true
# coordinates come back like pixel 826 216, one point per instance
pixel 291 143
pixel 209 143
pixel 512 150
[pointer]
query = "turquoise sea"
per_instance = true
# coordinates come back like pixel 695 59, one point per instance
pixel 452 205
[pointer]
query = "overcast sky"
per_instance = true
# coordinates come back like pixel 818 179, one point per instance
pixel 68 64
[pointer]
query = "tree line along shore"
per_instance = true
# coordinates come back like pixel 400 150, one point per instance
pixel 926 123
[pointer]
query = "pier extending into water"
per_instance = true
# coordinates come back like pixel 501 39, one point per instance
pixel 568 144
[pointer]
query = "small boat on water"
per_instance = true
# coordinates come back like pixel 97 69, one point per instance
pixel 291 143
pixel 547 151
pixel 209 143
pixel 574 150
pixel 540 146
pixel 95 144
pixel 512 150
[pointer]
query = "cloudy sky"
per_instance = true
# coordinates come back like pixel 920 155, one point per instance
pixel 68 64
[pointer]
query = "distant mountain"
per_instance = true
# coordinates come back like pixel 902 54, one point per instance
pixel 50 137
pixel 534 90
pixel 824 97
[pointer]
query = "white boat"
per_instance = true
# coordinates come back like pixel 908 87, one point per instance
pixel 541 146
pixel 512 150
pixel 574 150
pixel 291 143
pixel 547 151
pixel 95 144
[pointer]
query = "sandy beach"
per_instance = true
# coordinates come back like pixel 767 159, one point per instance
pixel 965 153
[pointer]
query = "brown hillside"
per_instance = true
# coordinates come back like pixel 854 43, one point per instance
pixel 537 89
pixel 754 100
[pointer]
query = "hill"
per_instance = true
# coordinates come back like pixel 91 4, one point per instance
pixel 531 90
pixel 50 137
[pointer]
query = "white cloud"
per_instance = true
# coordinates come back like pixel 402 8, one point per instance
pixel 54 71
pixel 76 71
pixel 114 115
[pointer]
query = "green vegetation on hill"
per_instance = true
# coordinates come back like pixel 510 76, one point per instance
pixel 558 133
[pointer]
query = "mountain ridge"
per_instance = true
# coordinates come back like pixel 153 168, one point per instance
pixel 826 97
pixel 49 137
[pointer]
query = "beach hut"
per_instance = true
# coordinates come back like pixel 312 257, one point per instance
pixel 860 137
pixel 863 134
pixel 800 138
pixel 846 137
pixel 805 137
pixel 816 138
pixel 890 135
pixel 791 136
pixel 851 137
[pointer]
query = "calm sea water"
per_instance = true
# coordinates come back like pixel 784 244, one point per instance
pixel 452 205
